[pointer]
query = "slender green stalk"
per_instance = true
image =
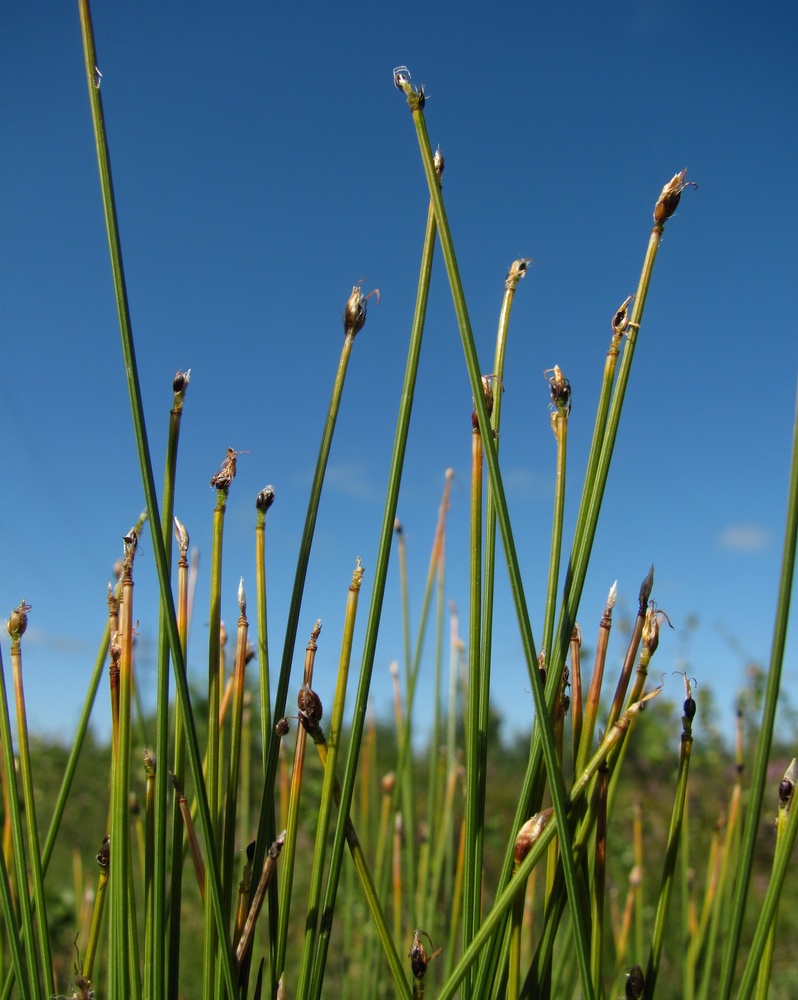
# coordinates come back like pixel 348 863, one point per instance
pixel 759 774
pixel 575 890
pixel 263 502
pixel 597 677
pixel 767 914
pixel 234 770
pixel 155 912
pixel 375 609
pixel 30 983
pixel 17 624
pixel 354 319
pixel 316 733
pixel 17 969
pixel 485 631
pixel 405 770
pixel 688 922
pixel 476 750
pixel 436 763
pixel 786 792
pixel 100 896
pixel 722 898
pixel 176 845
pixel 308 702
pixel 561 407
pixel 330 782
pixel 674 836
pixel 93 80
pixel 222 480
pixel 599 869
pixel 120 928
pixel 594 486
pixel 69 773
pixel 148 866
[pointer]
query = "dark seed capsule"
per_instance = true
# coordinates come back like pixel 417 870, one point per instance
pixel 635 983
pixel 689 708
pixel 310 703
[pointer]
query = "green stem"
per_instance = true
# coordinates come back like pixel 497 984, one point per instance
pixel 213 750
pixel 330 783
pixel 375 609
pixel 30 983
pixel 669 868
pixel 155 916
pixel 759 774
pixel 148 481
pixel 576 895
pixel 476 749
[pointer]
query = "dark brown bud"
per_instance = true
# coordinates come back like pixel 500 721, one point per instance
pixel 282 727
pixel 560 389
pixel 621 318
pixel 251 850
pixel 645 591
pixel 104 853
pixel 635 983
pixel 670 196
pixel 487 392
pixel 309 704
pixel 18 621
pixel 265 499
pixel 180 382
pixel 419 960
pixel 355 309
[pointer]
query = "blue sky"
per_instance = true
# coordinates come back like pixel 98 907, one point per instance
pixel 264 163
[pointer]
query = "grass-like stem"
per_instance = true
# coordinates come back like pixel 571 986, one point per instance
pixel 93 80
pixel 377 595
pixel 330 782
pixel 759 770
pixel 575 889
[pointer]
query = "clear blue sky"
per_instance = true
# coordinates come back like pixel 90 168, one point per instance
pixel 263 163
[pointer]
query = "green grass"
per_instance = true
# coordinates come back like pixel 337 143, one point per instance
pixel 584 863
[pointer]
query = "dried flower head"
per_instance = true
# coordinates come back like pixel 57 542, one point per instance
pixel 355 309
pixel 226 472
pixel 180 382
pixel 18 620
pixel 670 196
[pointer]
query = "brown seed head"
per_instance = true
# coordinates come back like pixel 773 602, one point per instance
pixel 180 382
pixel 530 833
pixel 670 196
pixel 355 309
pixel 18 621
pixel 226 472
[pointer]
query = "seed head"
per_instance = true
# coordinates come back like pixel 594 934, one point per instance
pixel 529 834
pixel 670 196
pixel 355 309
pixel 18 621
pixel 265 499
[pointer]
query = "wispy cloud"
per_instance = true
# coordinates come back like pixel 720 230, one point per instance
pixel 744 538
pixel 526 483
pixel 351 479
